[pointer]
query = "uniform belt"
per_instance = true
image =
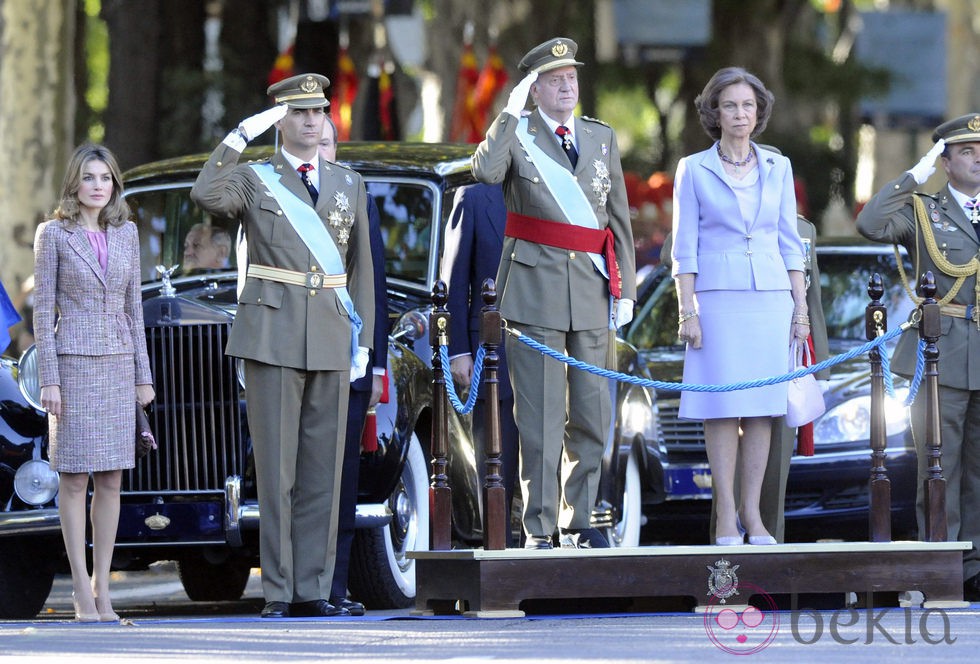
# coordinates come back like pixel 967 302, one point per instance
pixel 967 311
pixel 306 279
pixel 571 237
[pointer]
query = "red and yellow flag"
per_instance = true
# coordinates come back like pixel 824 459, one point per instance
pixel 283 67
pixel 463 106
pixel 343 93
pixel 492 79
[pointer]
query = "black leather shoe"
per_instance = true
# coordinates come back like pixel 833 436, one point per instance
pixel 348 605
pixel 316 608
pixel 971 589
pixel 537 542
pixel 275 610
pixel 582 538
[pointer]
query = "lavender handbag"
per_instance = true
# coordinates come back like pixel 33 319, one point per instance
pixel 804 398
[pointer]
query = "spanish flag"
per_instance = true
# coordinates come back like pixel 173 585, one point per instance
pixel 344 91
pixel 463 106
pixel 492 79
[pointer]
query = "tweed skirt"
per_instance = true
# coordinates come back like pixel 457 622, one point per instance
pixel 744 336
pixel 97 427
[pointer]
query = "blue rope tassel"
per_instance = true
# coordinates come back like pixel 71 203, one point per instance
pixel 462 409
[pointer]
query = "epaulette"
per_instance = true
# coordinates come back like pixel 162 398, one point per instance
pixel 923 194
pixel 597 121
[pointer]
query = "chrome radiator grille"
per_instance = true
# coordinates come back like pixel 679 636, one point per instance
pixel 197 415
pixel 682 438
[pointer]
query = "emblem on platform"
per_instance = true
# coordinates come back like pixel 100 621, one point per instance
pixel 341 218
pixel 722 582
pixel 601 184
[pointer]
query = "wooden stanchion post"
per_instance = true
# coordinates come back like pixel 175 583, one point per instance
pixel 440 493
pixel 496 520
pixel 875 325
pixel 934 484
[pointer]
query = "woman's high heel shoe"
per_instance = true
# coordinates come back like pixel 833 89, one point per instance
pixel 106 616
pixel 83 617
pixel 734 540
pixel 762 540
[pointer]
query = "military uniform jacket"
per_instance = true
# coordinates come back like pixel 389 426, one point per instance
pixel 889 217
pixel 548 286
pixel 283 324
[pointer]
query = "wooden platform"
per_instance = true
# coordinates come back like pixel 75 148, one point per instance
pixel 482 583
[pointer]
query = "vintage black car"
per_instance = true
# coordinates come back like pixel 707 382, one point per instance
pixel 827 494
pixel 194 500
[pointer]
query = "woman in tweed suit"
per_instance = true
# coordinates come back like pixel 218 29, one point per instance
pixel 88 322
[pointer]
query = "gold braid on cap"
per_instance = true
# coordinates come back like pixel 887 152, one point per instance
pixel 961 272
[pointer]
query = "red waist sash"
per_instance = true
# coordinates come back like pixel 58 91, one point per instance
pixel 570 237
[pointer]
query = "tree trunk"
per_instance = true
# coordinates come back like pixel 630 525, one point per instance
pixel 36 122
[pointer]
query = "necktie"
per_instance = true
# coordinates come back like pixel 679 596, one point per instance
pixel 304 174
pixel 973 209
pixel 565 134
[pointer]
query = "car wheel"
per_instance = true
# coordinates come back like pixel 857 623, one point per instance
pixel 205 581
pixel 626 531
pixel 25 577
pixel 381 573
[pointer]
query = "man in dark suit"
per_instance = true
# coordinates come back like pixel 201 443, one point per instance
pixel 566 279
pixel 304 327
pixel 365 392
pixel 474 239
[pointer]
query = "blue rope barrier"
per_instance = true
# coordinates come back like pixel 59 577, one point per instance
pixel 474 387
pixel 691 387
pixel 459 406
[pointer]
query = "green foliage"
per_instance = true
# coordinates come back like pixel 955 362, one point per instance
pixel 97 65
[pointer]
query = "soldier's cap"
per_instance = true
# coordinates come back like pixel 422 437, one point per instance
pixel 302 91
pixel 963 129
pixel 552 54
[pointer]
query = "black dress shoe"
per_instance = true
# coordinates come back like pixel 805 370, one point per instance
pixel 348 605
pixel 275 610
pixel 582 538
pixel 316 608
pixel 537 542
pixel 971 589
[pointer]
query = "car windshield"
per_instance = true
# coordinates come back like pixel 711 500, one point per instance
pixel 174 231
pixel 844 275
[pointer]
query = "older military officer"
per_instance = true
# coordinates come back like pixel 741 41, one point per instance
pixel 304 327
pixel 940 232
pixel 566 279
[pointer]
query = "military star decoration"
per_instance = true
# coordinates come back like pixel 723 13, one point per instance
pixel 601 184
pixel 340 217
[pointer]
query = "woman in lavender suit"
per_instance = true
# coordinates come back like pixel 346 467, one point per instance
pixel 88 322
pixel 738 266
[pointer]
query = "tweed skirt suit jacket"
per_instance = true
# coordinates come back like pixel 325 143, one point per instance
pixel 90 340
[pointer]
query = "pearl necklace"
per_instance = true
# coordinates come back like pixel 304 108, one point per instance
pixel 737 164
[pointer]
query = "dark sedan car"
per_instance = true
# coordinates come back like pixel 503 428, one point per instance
pixel 827 494
pixel 194 500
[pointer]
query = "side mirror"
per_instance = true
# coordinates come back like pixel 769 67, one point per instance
pixel 411 326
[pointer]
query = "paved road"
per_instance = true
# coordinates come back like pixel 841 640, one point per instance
pixel 160 624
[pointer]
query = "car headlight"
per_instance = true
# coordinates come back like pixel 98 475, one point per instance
pixel 35 483
pixel 850 420
pixel 28 377
pixel 636 415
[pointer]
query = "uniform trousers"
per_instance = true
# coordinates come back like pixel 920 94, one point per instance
pixel 297 421
pixel 562 419
pixel 959 416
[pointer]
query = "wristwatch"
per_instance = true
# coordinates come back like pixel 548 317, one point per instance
pixel 241 132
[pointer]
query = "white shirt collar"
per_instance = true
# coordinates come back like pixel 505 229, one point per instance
pixel 296 162
pixel 961 198
pixel 554 124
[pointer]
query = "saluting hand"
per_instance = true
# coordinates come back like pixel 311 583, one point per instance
pixel 927 165
pixel 518 96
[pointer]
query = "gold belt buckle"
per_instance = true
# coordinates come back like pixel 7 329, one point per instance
pixel 314 280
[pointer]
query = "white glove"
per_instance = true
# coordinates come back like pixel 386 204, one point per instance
pixel 358 365
pixel 927 165
pixel 518 96
pixel 251 127
pixel 624 312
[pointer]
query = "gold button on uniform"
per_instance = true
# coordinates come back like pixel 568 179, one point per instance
pixel 259 300
pixel 571 255
pixel 312 293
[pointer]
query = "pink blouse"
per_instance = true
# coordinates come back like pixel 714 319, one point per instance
pixel 99 246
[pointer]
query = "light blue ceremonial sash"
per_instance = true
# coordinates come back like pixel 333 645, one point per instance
pixel 308 225
pixel 564 188
pixel 568 194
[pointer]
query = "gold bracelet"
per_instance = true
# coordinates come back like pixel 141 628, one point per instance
pixel 688 316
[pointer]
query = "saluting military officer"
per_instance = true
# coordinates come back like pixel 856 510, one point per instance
pixel 304 328
pixel 941 232
pixel 566 279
